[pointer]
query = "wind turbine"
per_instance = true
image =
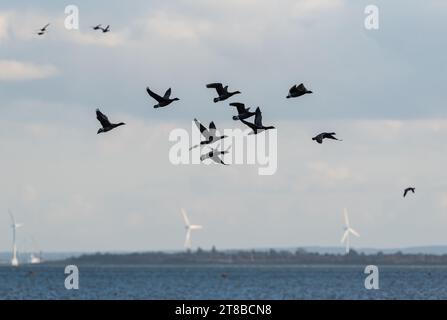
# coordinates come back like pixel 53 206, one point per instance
pixel 189 227
pixel 348 231
pixel 14 226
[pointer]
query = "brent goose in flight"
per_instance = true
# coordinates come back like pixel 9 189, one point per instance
pixel 208 134
pixel 106 29
pixel 162 101
pixel 243 112
pixel 298 91
pixel 214 155
pixel 43 30
pixel 98 27
pixel 106 125
pixel 408 190
pixel 257 126
pixel 325 135
pixel 221 91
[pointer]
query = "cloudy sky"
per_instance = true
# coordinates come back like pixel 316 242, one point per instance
pixel 382 91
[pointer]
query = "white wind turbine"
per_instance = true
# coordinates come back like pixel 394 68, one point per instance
pixel 189 227
pixel 14 226
pixel 348 232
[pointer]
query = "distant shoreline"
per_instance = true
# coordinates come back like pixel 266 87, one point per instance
pixel 253 258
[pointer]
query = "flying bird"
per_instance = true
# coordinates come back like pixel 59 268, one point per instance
pixel 98 27
pixel 325 135
pixel 106 29
pixel 298 91
pixel 257 126
pixel 43 30
pixel 223 93
pixel 162 101
pixel 214 155
pixel 243 112
pixel 210 134
pixel 106 124
pixel 409 190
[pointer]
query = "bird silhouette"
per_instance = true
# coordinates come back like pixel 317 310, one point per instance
pixel 243 112
pixel 407 190
pixel 257 126
pixel 162 101
pixel 210 134
pixel 223 93
pixel 325 135
pixel 43 30
pixel 106 29
pixel 106 124
pixel 98 27
pixel 214 155
pixel 298 91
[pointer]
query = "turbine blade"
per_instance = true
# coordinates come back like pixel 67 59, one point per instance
pixel 346 218
pixel 12 217
pixel 185 217
pixel 354 232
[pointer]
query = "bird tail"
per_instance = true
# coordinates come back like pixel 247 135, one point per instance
pixel 235 118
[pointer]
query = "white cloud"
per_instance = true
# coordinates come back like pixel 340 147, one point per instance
pixel 331 174
pixel 23 26
pixel 174 26
pixel 12 70
pixel 4 32
pixel 112 39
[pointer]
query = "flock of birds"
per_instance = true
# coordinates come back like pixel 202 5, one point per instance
pixel 210 134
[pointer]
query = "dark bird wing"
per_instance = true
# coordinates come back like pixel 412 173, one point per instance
pixel 204 131
pixel 102 118
pixel 293 89
pixel 319 138
pixel 406 192
pixel 240 107
pixel 45 28
pixel 220 161
pixel 218 86
pixel 249 124
pixel 301 87
pixel 154 95
pixel 213 129
pixel 331 135
pixel 167 94
pixel 258 118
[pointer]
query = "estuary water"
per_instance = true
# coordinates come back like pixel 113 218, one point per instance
pixel 222 282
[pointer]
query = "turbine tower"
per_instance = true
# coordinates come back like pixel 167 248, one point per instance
pixel 189 227
pixel 14 226
pixel 348 232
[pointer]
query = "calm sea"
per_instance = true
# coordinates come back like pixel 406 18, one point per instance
pixel 223 282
